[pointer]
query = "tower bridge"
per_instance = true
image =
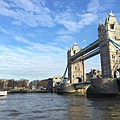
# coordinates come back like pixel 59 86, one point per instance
pixel 107 45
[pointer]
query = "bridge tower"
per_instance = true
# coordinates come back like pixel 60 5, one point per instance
pixel 109 54
pixel 75 67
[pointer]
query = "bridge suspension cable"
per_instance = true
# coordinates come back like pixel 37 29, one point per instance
pixel 63 77
pixel 115 44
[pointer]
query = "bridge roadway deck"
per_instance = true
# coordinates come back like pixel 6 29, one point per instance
pixel 91 54
pixel 87 52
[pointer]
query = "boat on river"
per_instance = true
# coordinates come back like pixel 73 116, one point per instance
pixel 3 93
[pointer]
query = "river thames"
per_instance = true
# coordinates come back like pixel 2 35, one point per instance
pixel 47 106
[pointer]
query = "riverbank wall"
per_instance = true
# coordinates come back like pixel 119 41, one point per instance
pixel 101 87
pixel 29 91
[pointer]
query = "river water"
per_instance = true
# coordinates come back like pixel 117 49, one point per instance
pixel 47 106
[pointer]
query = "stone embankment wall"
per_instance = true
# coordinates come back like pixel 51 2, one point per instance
pixel 103 86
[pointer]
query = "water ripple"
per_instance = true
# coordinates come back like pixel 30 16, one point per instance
pixel 57 107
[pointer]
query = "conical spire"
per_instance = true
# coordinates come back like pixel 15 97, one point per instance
pixel 111 18
pixel 106 20
pixel 75 43
pixel 75 47
pixel 98 23
pixel 111 14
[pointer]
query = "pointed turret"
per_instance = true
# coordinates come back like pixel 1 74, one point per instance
pixel 111 18
pixel 75 48
pixel 111 14
pixel 106 20
pixel 98 23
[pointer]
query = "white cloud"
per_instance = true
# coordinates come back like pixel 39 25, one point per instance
pixel 4 30
pixel 93 6
pixel 33 60
pixel 87 19
pixel 68 18
pixel 16 23
pixel 73 26
pixel 27 12
pixel 26 5
pixel 21 39
pixel 35 13
pixel 30 64
pixel 43 48
pixel 63 32
pixel 64 38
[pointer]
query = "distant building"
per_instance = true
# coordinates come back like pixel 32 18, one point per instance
pixel 45 84
pixel 22 84
pixel 33 84
pixel 3 84
pixel 41 84
pixel 56 80
pixel 93 74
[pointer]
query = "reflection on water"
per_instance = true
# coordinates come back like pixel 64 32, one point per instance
pixel 105 109
pixel 2 100
pixel 94 109
pixel 57 107
pixel 78 109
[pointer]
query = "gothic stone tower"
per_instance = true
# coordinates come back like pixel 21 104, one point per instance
pixel 108 52
pixel 76 67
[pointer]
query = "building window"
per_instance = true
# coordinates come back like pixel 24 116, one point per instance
pixel 113 56
pixel 112 26
pixel 116 52
pixel 74 51
pixel 75 67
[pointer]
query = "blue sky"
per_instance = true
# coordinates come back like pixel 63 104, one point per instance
pixel 35 35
